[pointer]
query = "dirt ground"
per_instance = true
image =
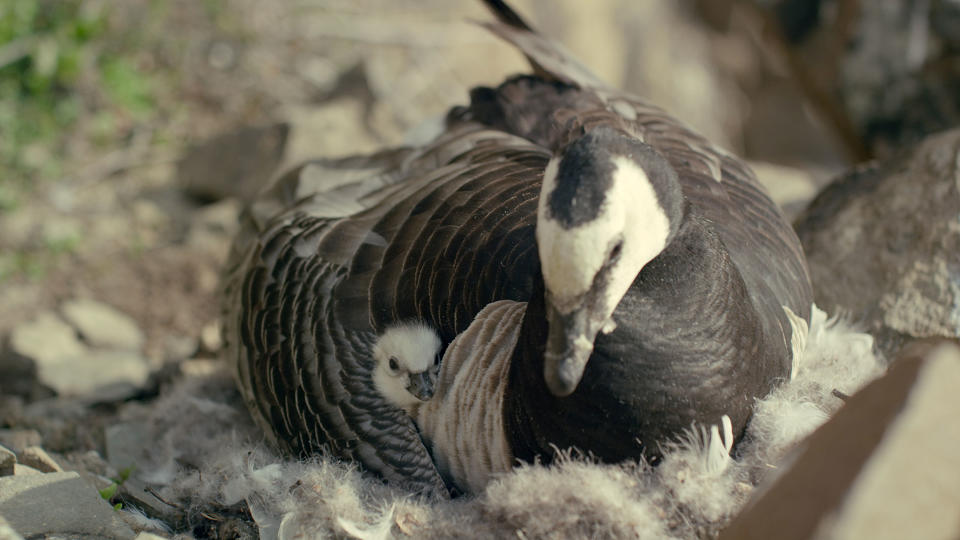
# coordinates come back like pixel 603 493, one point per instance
pixel 117 224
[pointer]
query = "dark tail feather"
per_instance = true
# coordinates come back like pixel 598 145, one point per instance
pixel 506 15
pixel 547 58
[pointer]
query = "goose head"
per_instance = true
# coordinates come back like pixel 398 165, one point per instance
pixel 407 359
pixel 609 205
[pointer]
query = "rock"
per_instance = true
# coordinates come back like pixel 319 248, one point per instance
pixel 19 439
pixel 98 375
pixel 235 164
pixel 177 348
pixel 90 462
pixel 211 338
pixel 46 338
pixel 125 444
pixel 7 460
pixel 38 458
pixel 334 128
pixel 884 467
pixel 7 532
pixel 20 469
pixel 18 374
pixel 221 217
pixel 103 326
pixel 212 227
pixel 200 367
pixel 882 244
pixel 58 503
pixel 792 189
pixel 149 536
pixel 135 492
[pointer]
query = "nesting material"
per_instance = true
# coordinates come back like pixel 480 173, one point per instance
pixel 218 459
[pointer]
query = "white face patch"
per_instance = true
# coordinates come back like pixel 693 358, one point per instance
pixel 571 258
pixel 414 347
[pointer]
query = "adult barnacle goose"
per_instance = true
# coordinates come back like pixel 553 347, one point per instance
pixel 611 275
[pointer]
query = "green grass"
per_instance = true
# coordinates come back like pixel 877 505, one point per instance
pixel 63 70
pixel 70 72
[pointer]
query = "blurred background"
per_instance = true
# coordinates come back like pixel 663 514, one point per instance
pixel 130 131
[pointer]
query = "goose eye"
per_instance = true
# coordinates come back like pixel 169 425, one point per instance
pixel 615 252
pixel 394 364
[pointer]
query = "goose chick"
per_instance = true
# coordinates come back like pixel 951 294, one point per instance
pixel 407 362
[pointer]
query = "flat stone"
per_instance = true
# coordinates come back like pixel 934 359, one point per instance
pixel 7 532
pixel 885 466
pixel 99 375
pixel 317 127
pixel 58 504
pixel 233 164
pixel 7 460
pixel 125 444
pixel 134 492
pixel 19 439
pixel 19 469
pixel 103 326
pixel 882 244
pixel 149 536
pixel 38 458
pixel 46 337
pixel 791 188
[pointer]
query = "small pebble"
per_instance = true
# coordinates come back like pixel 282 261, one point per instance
pixel 210 337
pixel 19 439
pixel 101 325
pixel 20 469
pixel 38 458
pixel 7 461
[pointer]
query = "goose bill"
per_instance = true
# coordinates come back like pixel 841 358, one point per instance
pixel 421 385
pixel 569 345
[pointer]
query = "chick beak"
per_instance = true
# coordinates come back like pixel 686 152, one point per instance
pixel 421 385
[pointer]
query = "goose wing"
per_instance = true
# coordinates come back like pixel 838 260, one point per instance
pixel 758 236
pixel 305 377
pixel 338 249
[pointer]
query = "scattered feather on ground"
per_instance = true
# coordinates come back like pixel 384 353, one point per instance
pixel 207 453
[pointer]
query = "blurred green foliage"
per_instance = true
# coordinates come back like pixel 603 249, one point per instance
pixel 61 72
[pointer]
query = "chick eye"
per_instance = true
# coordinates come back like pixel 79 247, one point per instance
pixel 394 364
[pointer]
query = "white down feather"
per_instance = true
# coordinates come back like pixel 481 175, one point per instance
pixel 686 496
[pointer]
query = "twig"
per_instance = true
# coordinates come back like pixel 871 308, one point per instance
pixel 153 492
pixel 840 395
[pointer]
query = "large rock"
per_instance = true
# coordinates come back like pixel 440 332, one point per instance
pixel 59 504
pixel 7 532
pixel 883 244
pixel 103 326
pixel 46 337
pixel 234 164
pixel 71 368
pixel 885 467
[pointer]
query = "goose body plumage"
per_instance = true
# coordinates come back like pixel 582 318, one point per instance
pixel 446 233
